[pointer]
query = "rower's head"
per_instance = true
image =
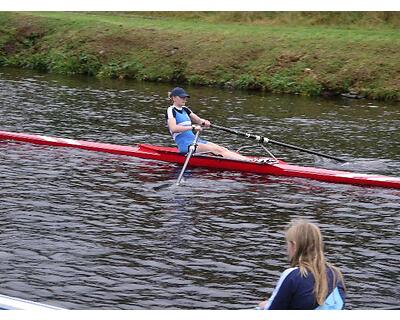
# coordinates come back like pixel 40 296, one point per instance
pixel 178 96
pixel 304 243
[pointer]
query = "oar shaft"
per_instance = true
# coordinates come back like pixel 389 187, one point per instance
pixel 243 134
pixel 262 139
pixel 192 149
pixel 305 150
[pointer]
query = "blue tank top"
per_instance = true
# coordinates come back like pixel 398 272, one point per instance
pixel 182 117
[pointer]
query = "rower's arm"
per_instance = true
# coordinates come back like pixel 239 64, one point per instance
pixel 176 128
pixel 196 119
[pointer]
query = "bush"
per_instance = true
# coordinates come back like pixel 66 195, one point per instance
pixel 118 69
pixel 81 63
pixel 247 81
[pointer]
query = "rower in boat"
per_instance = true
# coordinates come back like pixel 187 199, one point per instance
pixel 311 283
pixel 182 122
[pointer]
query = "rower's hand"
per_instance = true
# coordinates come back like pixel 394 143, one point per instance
pixel 262 304
pixel 196 127
pixel 206 123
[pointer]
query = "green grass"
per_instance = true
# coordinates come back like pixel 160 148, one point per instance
pixel 81 20
pixel 198 48
pixel 290 18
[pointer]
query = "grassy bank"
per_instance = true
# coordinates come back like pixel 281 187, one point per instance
pixel 277 57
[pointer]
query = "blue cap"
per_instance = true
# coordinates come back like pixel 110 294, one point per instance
pixel 179 92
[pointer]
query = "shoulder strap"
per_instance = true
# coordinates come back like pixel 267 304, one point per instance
pixel 170 113
pixel 187 110
pixel 333 302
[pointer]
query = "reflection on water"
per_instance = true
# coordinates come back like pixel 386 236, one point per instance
pixel 86 230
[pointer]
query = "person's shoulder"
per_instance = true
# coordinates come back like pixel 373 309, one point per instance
pixel 187 109
pixel 333 272
pixel 292 270
pixel 287 281
pixel 294 276
pixel 170 112
pixel 335 276
pixel 289 273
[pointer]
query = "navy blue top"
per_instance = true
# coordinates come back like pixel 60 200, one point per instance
pixel 295 292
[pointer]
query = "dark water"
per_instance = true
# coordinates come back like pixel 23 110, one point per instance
pixel 85 230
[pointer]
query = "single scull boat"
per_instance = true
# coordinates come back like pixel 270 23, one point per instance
pixel 168 154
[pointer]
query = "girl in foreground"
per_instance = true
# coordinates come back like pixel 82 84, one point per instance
pixel 311 283
pixel 181 121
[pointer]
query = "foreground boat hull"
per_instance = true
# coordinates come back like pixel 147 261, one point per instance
pixel 168 154
pixel 11 303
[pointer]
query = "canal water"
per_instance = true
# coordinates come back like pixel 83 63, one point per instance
pixel 86 230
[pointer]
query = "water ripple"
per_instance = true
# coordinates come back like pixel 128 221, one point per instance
pixel 85 230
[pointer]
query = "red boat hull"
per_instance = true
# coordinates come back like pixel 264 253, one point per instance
pixel 168 154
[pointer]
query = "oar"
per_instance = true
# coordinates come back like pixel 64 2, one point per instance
pixel 192 149
pixel 266 140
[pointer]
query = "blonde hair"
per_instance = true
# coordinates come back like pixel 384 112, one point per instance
pixel 309 256
pixel 170 97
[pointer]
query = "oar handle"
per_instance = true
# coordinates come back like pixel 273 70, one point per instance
pixel 265 140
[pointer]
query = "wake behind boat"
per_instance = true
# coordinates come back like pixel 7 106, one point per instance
pixel 169 154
